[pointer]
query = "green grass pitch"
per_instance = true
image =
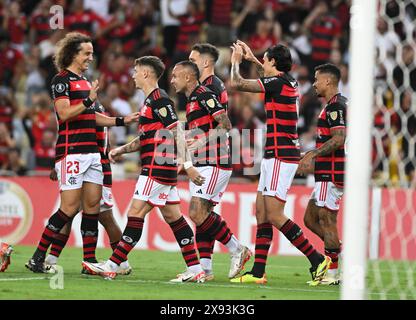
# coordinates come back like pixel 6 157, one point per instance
pixel 152 271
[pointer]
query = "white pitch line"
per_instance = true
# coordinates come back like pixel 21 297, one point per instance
pixel 23 279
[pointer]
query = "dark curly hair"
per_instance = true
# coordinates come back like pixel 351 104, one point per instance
pixel 68 47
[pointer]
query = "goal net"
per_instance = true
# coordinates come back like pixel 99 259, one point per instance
pixel 391 268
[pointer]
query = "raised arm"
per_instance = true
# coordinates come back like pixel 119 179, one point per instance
pixel 237 81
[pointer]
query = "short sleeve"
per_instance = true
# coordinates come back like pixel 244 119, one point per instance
pixel 164 109
pixel 60 88
pixel 210 102
pixel 270 84
pixel 335 116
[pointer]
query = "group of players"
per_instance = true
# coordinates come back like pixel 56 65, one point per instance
pixel 84 172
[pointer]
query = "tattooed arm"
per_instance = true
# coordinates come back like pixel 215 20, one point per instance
pixel 237 81
pixel 183 153
pixel 221 130
pixel 336 141
pixel 132 146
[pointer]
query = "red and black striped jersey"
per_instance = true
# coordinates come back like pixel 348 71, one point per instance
pixel 281 105
pixel 103 140
pixel 157 143
pixel 201 108
pixel 216 85
pixel 78 134
pixel 333 116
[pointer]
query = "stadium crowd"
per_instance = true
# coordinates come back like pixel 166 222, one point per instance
pixel 316 31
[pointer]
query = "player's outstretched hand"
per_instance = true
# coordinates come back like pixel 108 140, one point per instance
pixel 134 117
pixel 94 90
pixel 195 177
pixel 115 155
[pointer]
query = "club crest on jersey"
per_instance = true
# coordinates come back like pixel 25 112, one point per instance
pixel 163 112
pixel 211 103
pixel 334 115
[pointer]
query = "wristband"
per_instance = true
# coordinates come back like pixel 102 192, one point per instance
pixel 187 165
pixel 87 102
pixel 120 122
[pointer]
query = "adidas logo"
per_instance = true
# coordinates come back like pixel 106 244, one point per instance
pixel 199 191
pixel 265 189
pixel 137 192
pixel 77 86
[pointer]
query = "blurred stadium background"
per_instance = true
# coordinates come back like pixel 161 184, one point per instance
pixel 316 32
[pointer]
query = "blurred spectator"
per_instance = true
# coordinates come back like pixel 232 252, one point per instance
pixel 11 66
pixel 408 77
pixel 117 107
pixel 44 150
pixel 263 38
pixel 8 109
pixel 170 23
pixel 39 23
pixel 325 30
pixel 116 69
pixel 6 144
pixel 83 20
pixel 386 43
pixel 219 18
pixel 245 20
pixel 15 163
pixel 189 28
pixel 15 21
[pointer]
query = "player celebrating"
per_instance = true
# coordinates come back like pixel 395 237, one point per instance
pixel 281 156
pixel 105 216
pixel 205 55
pixel 329 157
pixel 78 161
pixel 156 186
pixel 208 119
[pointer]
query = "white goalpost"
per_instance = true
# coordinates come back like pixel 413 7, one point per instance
pixel 358 168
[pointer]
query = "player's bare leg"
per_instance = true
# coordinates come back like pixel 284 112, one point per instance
pixel 311 219
pixel 275 214
pixel 185 238
pixel 211 223
pixel 70 200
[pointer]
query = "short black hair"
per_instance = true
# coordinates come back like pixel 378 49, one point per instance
pixel 330 69
pixel 152 61
pixel 207 48
pixel 190 65
pixel 282 57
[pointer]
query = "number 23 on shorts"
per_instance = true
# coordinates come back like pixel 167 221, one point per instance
pixel 72 167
